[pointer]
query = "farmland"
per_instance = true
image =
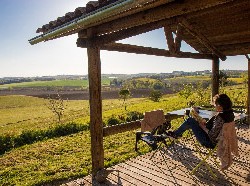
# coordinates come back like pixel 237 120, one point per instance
pixel 69 156
pixel 53 158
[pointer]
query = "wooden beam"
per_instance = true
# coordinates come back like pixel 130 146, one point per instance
pixel 231 18
pixel 152 51
pixel 126 33
pixel 96 126
pixel 248 96
pixel 166 11
pixel 215 76
pixel 178 38
pixel 107 131
pixel 170 39
pixel 119 47
pixel 235 49
pixel 226 39
pixel 82 34
pixel 202 39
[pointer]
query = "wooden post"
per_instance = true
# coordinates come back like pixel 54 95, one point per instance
pixel 215 76
pixel 96 126
pixel 248 97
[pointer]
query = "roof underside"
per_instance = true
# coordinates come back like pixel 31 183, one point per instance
pixel 217 27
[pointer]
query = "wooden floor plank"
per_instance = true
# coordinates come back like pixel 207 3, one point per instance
pixel 171 167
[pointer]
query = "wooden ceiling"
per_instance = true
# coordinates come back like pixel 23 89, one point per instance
pixel 212 27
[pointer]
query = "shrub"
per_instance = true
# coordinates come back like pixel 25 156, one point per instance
pixel 158 85
pixel 6 143
pixel 155 95
pixel 69 128
pixel 134 115
pixel 113 121
pixel 28 137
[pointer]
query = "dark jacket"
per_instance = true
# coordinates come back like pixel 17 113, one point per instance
pixel 214 125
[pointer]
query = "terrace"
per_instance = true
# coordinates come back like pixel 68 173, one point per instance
pixel 214 28
pixel 168 167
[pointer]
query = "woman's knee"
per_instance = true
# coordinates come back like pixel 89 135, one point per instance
pixel 192 121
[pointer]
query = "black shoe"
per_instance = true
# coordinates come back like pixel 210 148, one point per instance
pixel 151 141
pixel 171 135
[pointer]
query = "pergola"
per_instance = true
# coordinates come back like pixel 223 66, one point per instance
pixel 214 28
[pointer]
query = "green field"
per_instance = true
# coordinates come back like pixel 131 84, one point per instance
pixel 19 113
pixel 67 157
pixel 54 83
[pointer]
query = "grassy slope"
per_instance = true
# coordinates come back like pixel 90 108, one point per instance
pixel 54 83
pixel 67 157
pixel 20 113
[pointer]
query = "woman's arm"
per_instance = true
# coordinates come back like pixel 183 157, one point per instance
pixel 216 129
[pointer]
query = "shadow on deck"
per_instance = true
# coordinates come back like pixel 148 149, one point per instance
pixel 167 166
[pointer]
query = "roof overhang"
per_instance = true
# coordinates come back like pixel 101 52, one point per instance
pixel 212 27
pixel 108 13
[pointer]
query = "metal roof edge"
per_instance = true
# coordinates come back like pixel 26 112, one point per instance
pixel 92 18
pixel 83 20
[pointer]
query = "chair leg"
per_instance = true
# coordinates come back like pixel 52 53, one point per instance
pixel 203 161
pixel 137 138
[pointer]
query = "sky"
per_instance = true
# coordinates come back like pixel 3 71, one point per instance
pixel 20 19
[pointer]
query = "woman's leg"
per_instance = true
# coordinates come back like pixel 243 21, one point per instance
pixel 187 124
pixel 199 133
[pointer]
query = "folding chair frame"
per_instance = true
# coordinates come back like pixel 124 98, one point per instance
pixel 154 137
pixel 206 157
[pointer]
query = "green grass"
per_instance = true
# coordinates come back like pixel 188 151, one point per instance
pixel 19 113
pixel 188 79
pixel 69 156
pixel 191 78
pixel 54 83
pixel 61 158
pixel 237 80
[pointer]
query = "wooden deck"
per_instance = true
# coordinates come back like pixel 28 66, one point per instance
pixel 169 166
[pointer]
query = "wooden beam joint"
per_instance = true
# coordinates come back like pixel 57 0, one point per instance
pixel 247 57
pixel 170 39
pixel 174 44
pixel 178 38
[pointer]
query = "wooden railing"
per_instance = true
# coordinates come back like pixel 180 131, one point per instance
pixel 123 127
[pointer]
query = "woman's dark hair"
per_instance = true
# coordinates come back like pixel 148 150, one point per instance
pixel 224 101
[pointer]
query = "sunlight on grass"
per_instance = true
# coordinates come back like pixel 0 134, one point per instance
pixel 67 157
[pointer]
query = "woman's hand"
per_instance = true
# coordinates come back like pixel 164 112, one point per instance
pixel 203 122
pixel 203 125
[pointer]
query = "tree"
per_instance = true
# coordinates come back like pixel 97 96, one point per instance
pixel 155 95
pixel 244 77
pixel 186 92
pixel 223 78
pixel 124 94
pixel 57 106
pixel 202 95
pixel 158 85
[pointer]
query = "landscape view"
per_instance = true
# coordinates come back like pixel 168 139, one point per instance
pixel 45 138
pixel 78 77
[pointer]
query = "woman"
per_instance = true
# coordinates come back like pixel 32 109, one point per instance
pixel 207 132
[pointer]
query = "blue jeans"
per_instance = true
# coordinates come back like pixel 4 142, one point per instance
pixel 199 133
